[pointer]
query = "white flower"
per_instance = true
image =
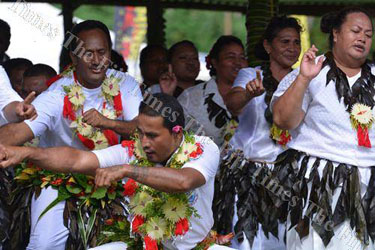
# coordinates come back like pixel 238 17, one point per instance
pixel 82 128
pixel 109 114
pixel 76 96
pixel 362 114
pixel 100 141
pixel 156 227
pixel 110 86
pixel 139 202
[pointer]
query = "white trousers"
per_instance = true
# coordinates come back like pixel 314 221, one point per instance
pixel 49 233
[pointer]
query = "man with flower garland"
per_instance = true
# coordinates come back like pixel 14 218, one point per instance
pixel 171 175
pixel 77 110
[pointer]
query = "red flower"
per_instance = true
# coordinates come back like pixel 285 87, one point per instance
pixel 68 111
pixel 111 189
pixel 150 243
pixel 109 222
pixel 111 137
pixel 86 141
pixel 129 187
pixel 182 226
pixel 129 145
pixel 137 222
pixel 197 152
pixel 117 104
pixel 80 194
pixel 57 182
pixel 284 139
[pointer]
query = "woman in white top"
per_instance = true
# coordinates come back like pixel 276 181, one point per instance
pixel 204 104
pixel 329 100
pixel 253 149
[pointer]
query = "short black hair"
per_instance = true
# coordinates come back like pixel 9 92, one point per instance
pixel 40 69
pixel 118 62
pixel 165 106
pixel 174 47
pixel 16 63
pixel 85 26
pixel 5 29
pixel 146 51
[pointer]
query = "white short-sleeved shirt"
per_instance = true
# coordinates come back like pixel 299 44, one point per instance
pixel 253 131
pixel 55 128
pixel 326 130
pixel 200 198
pixel 7 94
pixel 205 110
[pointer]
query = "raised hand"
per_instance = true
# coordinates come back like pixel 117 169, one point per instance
pixel 255 87
pixel 168 81
pixel 105 176
pixel 309 68
pixel 24 110
pixel 94 118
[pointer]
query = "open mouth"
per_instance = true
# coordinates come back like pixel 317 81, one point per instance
pixel 359 48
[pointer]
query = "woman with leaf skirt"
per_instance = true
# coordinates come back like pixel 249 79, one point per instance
pixel 245 198
pixel 329 100
pixel 204 104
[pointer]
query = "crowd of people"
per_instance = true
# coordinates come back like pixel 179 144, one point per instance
pixel 268 157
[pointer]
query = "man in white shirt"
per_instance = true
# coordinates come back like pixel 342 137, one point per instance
pixel 160 141
pixel 90 49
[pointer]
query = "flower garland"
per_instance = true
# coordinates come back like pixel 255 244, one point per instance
pixel 358 99
pixel 280 136
pixel 156 215
pixel 85 203
pixel 74 100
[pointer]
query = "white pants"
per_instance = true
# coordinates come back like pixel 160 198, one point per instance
pixel 122 246
pixel 49 233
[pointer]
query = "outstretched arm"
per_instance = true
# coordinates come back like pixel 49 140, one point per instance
pixel 59 159
pixel 19 111
pixel 161 178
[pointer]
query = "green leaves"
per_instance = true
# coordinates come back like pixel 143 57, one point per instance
pixel 99 193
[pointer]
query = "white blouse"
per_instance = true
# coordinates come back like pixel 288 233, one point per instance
pixel 326 130
pixel 253 132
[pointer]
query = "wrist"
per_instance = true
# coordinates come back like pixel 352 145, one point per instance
pixel 303 79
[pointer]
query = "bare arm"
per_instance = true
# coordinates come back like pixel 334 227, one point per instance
pixel 59 159
pixel 287 110
pixel 238 97
pixel 15 134
pixel 161 178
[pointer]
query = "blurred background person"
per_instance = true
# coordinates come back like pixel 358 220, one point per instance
pixel 4 41
pixel 15 69
pixel 35 79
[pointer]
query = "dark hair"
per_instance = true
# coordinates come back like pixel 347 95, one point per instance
pixel 15 63
pixel 333 21
pixel 40 70
pixel 118 62
pixel 217 47
pixel 275 25
pixel 146 51
pixel 5 29
pixel 166 106
pixel 174 47
pixel 89 25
